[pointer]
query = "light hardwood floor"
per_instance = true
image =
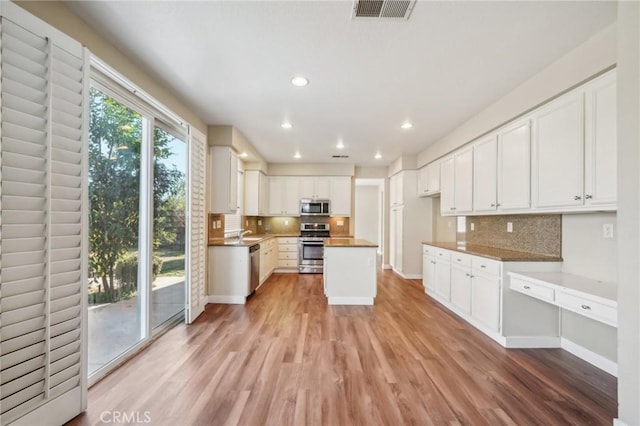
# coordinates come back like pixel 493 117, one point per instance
pixel 287 358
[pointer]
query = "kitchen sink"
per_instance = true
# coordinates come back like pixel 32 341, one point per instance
pixel 250 239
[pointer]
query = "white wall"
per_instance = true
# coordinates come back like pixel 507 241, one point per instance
pixel 586 253
pixel 593 56
pixel 629 212
pixel 367 213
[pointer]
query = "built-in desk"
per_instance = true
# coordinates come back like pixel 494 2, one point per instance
pixel 594 299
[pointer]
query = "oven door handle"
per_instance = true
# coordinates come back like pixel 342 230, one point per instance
pixel 312 244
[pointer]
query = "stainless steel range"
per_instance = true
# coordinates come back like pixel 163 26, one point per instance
pixel 311 247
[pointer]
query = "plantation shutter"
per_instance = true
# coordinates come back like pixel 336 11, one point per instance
pixel 197 231
pixel 42 204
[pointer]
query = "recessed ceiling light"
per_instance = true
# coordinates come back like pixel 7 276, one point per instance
pixel 378 156
pixel 244 154
pixel 296 155
pixel 406 125
pixel 286 125
pixel 340 145
pixel 299 81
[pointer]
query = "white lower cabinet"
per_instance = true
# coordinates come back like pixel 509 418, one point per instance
pixel 485 307
pixel 268 258
pixel 287 254
pixel 228 274
pixel 461 288
pixel 476 288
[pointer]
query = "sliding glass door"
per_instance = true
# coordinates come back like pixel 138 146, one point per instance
pixel 169 226
pixel 115 142
pixel 137 223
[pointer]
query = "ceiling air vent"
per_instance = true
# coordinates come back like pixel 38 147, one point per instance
pixel 339 156
pixel 394 9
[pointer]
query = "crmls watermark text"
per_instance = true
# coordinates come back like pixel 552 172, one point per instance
pixel 125 417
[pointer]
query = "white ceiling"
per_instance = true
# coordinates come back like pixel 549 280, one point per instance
pixel 232 63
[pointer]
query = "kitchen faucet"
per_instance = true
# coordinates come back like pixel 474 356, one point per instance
pixel 243 233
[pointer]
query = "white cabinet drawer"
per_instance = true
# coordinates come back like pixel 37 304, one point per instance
pixel 485 266
pixel 460 259
pixel 287 263
pixel 443 254
pixel 534 290
pixel 289 255
pixel 288 248
pixel 428 250
pixel 588 308
pixel 287 240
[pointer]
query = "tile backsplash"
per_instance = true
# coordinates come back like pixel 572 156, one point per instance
pixel 276 225
pixel 541 234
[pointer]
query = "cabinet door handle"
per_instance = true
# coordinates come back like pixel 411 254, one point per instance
pixel 526 287
pixel 586 307
pixel 467 275
pixel 493 205
pixel 482 266
pixel 577 197
pixel 498 204
pixel 588 197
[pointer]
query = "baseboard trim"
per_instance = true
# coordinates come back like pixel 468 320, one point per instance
pixel 527 342
pixel 591 357
pixel 228 300
pixel 386 266
pixel 407 276
pixel 286 270
pixel 618 422
pixel 351 300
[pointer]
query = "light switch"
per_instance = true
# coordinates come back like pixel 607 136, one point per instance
pixel 259 222
pixel 509 227
pixel 607 230
pixel 286 223
pixel 218 224
pixel 473 226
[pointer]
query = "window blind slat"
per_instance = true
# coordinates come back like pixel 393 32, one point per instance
pixel 14 131
pixel 68 334
pixel 65 131
pixel 18 273
pixel 65 254
pixel 23 91
pixel 16 316
pixel 21 245
pixel 58 230
pixel 23 189
pixel 66 242
pixel 10 260
pixel 19 383
pixel 26 327
pixel 13 202
pixel 60 329
pixel 19 369
pixel 17 343
pixel 64 369
pixel 37 82
pixel 65 278
pixel 15 174
pixel 18 357
pixel 66 315
pixel 24 286
pixel 28 394
pixel 66 205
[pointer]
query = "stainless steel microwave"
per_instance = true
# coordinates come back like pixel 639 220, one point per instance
pixel 310 207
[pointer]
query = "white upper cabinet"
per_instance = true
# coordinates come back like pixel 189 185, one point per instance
pixel 600 141
pixel 315 187
pixel 463 181
pixel 429 179
pixel 396 188
pixel 224 180
pixel 514 166
pixel 485 174
pixel 558 152
pixel 447 188
pixel 284 195
pixel 256 201
pixel 340 190
pixel 456 183
pixel 575 149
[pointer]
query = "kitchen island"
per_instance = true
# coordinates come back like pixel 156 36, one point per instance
pixel 349 271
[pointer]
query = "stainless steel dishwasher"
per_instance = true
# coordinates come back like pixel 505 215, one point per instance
pixel 254 271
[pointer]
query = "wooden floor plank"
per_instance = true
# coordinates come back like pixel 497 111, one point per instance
pixel 287 358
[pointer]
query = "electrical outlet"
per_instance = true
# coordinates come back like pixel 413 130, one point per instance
pixel 607 230
pixel 259 222
pixel 218 224
pixel 340 222
pixel 509 227
pixel 473 226
pixel 286 223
